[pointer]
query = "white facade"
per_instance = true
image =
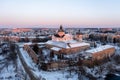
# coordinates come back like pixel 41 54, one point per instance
pixel 67 37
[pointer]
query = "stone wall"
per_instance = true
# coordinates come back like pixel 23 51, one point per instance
pixel 74 50
pixel 31 53
pixel 55 65
pixel 103 54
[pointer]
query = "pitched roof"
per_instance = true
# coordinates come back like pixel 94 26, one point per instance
pixel 68 44
pixel 98 49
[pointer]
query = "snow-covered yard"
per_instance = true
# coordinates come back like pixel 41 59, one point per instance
pixel 53 75
pixel 10 69
pixel 57 75
pixel 11 73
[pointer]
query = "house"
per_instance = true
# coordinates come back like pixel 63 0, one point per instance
pixel 100 52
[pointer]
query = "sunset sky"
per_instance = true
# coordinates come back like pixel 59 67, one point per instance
pixel 18 13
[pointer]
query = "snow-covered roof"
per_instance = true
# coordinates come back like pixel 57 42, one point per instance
pixel 79 44
pixel 66 45
pixel 55 48
pixel 57 43
pixel 34 37
pixel 101 48
pixel 30 43
pixel 70 41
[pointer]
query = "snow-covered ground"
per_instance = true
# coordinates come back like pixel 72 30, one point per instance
pixel 57 75
pixel 9 70
pixel 10 73
pixel 27 58
pixel 21 71
pixel 53 75
pixel 2 57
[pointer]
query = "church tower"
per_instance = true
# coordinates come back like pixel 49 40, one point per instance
pixel 61 36
pixel 61 32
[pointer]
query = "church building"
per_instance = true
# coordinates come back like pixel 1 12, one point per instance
pixel 61 36
pixel 64 43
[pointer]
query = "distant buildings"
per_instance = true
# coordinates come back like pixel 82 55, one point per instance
pixel 79 36
pixel 105 37
pixel 18 30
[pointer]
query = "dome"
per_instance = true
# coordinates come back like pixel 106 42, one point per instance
pixel 61 29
